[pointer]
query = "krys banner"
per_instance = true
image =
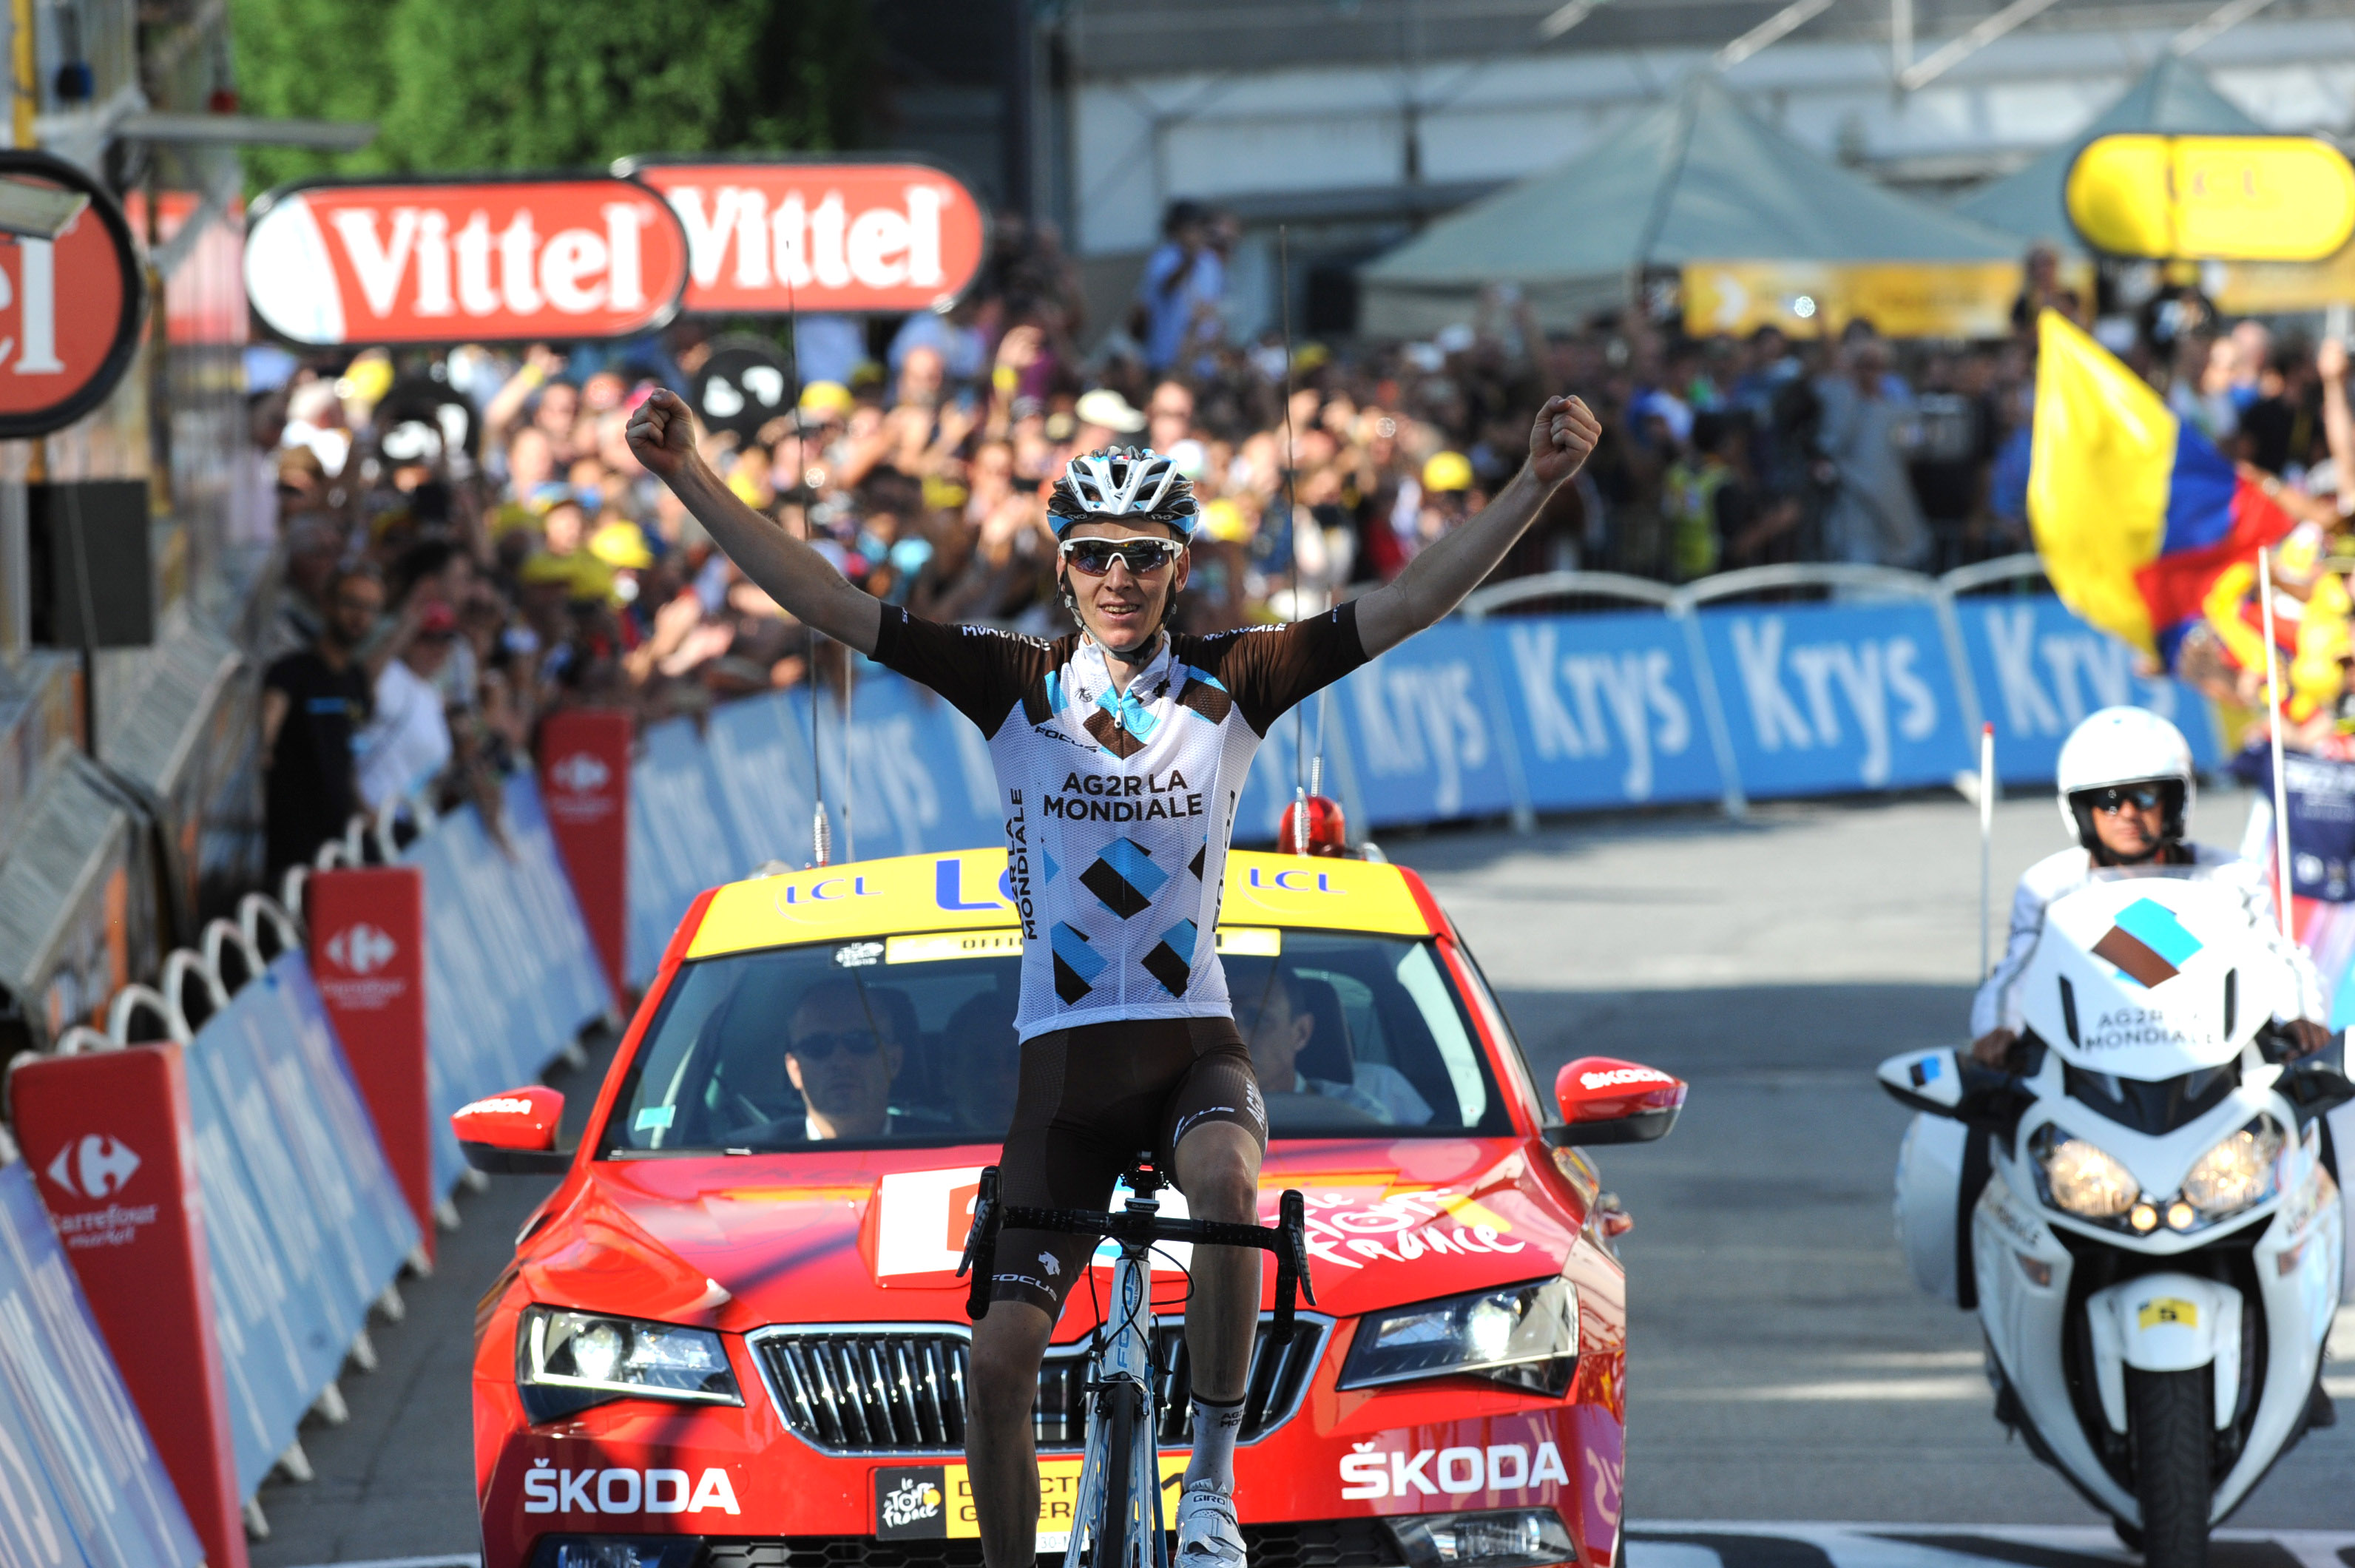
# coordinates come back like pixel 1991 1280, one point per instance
pixel 474 261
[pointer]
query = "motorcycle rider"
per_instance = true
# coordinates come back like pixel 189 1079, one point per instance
pixel 2126 786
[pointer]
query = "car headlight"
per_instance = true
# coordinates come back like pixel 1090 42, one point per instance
pixel 2236 1173
pixel 567 1362
pixel 2083 1179
pixel 1525 1334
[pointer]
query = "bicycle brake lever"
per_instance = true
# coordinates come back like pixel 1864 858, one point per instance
pixel 1294 1213
pixel 981 1245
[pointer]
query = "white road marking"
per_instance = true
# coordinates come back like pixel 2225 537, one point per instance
pixel 1928 1545
pixel 1893 1389
pixel 447 1560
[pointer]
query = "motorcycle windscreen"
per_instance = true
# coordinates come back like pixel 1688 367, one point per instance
pixel 2150 977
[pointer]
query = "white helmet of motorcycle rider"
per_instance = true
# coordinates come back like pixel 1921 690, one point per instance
pixel 2119 747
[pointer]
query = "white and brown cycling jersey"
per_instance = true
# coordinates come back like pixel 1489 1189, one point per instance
pixel 1118 805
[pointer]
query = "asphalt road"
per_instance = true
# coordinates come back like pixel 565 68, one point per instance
pixel 1783 1366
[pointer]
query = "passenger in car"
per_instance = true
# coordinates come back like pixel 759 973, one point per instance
pixel 841 1064
pixel 983 1062
pixel 1280 1032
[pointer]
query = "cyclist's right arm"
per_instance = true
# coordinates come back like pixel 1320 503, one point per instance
pixel 662 436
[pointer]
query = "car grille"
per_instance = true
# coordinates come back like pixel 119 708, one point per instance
pixel 1321 1543
pixel 903 1390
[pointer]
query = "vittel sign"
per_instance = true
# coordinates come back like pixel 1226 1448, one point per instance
pixel 766 238
pixel 477 261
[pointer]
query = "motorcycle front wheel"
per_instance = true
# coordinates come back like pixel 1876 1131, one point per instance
pixel 2170 1417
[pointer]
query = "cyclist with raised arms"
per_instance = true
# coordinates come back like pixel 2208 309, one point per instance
pixel 1121 753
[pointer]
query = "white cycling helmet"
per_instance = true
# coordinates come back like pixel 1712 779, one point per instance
pixel 2123 746
pixel 1123 482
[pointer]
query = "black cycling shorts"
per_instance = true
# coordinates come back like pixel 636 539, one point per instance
pixel 1090 1099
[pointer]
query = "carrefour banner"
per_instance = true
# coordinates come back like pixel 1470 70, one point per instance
pixel 1420 723
pixel 2039 670
pixel 81 1466
pixel 1833 698
pixel 1604 709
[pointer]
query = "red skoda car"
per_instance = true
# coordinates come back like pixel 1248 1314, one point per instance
pixel 733 1337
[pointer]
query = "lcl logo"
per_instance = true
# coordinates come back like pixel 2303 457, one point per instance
pixel 361 949
pixel 582 772
pixel 93 1165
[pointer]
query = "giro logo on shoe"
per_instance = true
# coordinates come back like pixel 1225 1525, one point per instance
pixel 1371 1472
pixel 547 1489
pixel 361 949
pixel 582 772
pixel 93 1165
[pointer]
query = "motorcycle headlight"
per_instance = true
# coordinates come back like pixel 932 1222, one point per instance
pixel 2082 1178
pixel 2236 1173
pixel 1525 1334
pixel 567 1362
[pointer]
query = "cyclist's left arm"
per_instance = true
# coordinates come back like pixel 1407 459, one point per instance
pixel 1438 578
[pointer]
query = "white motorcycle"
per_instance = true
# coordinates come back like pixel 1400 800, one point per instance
pixel 2156 1248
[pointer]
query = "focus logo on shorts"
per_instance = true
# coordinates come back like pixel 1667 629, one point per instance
pixel 547 1489
pixel 1373 1472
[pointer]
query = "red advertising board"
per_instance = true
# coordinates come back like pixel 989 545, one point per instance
pixel 769 237
pixel 479 261
pixel 69 307
pixel 110 1135
pixel 367 955
pixel 584 781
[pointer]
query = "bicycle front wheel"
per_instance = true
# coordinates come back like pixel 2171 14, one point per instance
pixel 1113 1533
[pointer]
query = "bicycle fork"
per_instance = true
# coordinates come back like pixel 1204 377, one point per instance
pixel 1116 1513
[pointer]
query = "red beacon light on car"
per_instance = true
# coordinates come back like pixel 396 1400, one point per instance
pixel 1326 832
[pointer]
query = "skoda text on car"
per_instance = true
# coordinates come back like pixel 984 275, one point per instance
pixel 728 1341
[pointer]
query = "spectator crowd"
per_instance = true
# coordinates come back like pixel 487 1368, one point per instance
pixel 469 543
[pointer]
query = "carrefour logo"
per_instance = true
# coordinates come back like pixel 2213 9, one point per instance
pixel 581 772
pixel 93 1165
pixel 361 949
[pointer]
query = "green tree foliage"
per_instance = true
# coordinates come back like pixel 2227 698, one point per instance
pixel 457 85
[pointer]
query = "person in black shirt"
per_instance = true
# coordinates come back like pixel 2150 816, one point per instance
pixel 313 702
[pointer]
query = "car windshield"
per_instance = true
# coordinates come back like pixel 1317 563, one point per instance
pixel 909 1041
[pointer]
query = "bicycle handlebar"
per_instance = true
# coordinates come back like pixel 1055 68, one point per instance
pixel 1287 1239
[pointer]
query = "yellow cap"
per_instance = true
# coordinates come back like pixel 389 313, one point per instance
pixel 367 379
pixel 1447 471
pixel 1223 521
pixel 944 494
pixel 621 543
pixel 826 398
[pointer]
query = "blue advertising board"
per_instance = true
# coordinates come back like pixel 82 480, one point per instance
pixel 760 761
pixel 1604 709
pixel 2039 670
pixel 1421 726
pixel 1836 699
pixel 65 1403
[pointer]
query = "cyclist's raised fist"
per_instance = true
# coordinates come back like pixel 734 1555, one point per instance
pixel 662 434
pixel 1564 434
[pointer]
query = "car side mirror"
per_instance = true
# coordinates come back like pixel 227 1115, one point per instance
pixel 514 1133
pixel 1606 1101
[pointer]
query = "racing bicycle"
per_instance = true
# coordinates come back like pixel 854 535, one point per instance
pixel 1116 1515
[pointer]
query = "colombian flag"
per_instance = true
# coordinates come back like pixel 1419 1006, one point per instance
pixel 2135 514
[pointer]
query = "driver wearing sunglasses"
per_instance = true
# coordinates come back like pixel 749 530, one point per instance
pixel 1121 748
pixel 2125 784
pixel 836 1056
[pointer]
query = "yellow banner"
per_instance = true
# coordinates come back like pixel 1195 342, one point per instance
pixel 1900 299
pixel 958 891
pixel 2255 288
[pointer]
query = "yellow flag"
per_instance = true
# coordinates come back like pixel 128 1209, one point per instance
pixel 2101 460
